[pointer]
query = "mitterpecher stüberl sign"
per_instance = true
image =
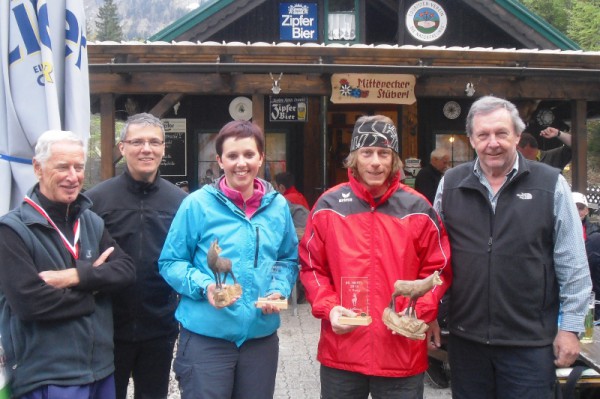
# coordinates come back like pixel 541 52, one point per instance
pixel 355 88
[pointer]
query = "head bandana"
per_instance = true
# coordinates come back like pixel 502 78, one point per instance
pixel 374 134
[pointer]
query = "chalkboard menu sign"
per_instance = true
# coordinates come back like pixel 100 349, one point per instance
pixel 174 162
pixel 287 109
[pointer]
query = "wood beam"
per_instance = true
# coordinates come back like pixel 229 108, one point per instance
pixel 165 104
pixel 320 85
pixel 213 84
pixel 258 117
pixel 579 145
pixel 107 139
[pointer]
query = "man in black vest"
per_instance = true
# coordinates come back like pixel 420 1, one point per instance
pixel 58 267
pixel 138 207
pixel 518 256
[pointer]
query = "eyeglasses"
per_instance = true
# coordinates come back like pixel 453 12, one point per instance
pixel 181 183
pixel 140 143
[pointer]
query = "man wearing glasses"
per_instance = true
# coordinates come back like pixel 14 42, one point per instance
pixel 138 207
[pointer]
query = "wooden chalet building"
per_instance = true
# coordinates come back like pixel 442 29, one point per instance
pixel 305 71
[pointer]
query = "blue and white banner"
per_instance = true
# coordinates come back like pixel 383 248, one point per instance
pixel 44 84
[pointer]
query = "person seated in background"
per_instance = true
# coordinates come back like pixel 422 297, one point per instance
pixel 429 177
pixel 299 216
pixel 285 184
pixel 589 227
pixel 184 185
pixel 558 157
pixel 592 248
pixel 592 244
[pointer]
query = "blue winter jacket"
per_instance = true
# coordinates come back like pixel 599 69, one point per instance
pixel 263 250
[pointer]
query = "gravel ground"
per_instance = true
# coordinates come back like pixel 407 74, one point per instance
pixel 298 373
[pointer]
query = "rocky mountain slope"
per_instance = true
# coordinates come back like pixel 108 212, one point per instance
pixel 141 18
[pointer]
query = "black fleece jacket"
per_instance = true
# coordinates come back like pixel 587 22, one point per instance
pixel 138 216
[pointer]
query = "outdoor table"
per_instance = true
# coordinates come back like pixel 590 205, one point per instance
pixel 590 352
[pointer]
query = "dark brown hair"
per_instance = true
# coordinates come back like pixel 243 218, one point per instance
pixel 240 130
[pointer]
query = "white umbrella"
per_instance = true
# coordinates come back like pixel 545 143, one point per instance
pixel 44 84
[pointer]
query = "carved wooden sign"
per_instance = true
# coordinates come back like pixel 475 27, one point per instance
pixel 354 88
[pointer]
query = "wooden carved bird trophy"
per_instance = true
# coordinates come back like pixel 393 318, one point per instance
pixel 224 294
pixel 408 324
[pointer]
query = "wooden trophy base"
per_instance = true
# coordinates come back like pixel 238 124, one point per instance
pixel 225 296
pixel 279 303
pixel 355 321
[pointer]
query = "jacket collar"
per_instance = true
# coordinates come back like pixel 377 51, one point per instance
pixel 471 180
pixel 363 193
pixel 140 187
pixel 53 209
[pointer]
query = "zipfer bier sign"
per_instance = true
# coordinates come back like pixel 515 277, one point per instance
pixel 298 21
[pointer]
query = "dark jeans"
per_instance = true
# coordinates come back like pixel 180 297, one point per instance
pixel 209 368
pixel 103 389
pixel 337 383
pixel 148 363
pixel 482 371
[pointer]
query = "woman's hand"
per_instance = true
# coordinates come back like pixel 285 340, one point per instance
pixel 210 296
pixel 270 308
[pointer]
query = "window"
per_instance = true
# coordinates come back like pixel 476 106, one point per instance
pixel 458 146
pixel 342 16
pixel 275 154
pixel 208 168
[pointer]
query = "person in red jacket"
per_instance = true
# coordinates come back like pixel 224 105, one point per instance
pixel 361 237
pixel 285 184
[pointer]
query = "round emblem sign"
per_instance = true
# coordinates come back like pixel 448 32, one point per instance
pixel 451 110
pixel 426 21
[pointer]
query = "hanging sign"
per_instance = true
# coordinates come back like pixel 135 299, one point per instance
pixel 298 21
pixel 353 88
pixel 288 109
pixel 426 21
pixel 174 163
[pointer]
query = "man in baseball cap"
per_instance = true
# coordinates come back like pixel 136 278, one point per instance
pixel 583 208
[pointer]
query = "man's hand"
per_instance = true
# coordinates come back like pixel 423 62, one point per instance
pixel 60 278
pixel 550 132
pixel 102 258
pixel 334 317
pixel 566 348
pixel 70 277
pixel 434 335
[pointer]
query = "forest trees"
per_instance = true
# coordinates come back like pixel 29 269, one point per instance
pixel 107 25
pixel 578 19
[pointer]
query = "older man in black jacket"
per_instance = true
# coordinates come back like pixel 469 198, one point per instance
pixel 58 267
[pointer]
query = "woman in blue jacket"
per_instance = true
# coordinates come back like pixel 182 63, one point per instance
pixel 231 351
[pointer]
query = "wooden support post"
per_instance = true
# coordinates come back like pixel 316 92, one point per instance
pixel 258 117
pixel 579 145
pixel 107 139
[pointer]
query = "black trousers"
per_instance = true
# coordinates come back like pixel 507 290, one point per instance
pixel 148 363
pixel 336 383
pixel 481 371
